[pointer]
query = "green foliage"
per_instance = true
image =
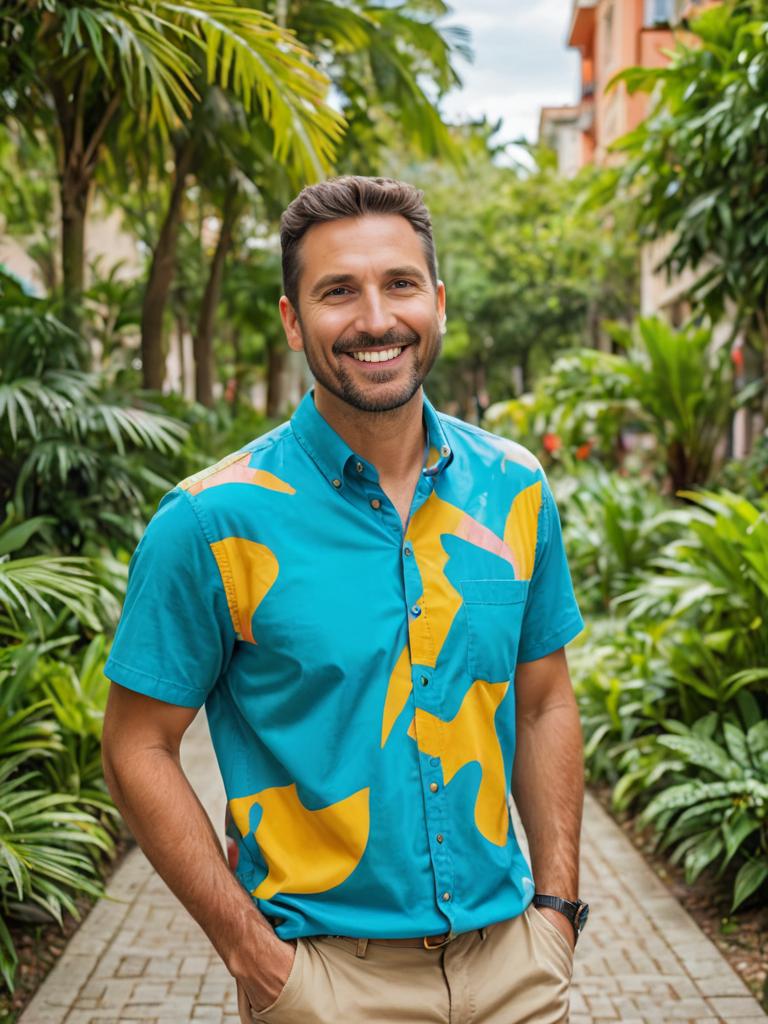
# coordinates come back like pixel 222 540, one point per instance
pixel 72 448
pixel 670 383
pixel 57 821
pixel 528 270
pixel 613 527
pixel 714 800
pixel 146 56
pixel 673 698
pixel 697 166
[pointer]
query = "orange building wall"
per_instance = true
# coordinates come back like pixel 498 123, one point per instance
pixel 611 38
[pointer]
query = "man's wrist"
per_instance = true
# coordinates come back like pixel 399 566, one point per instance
pixel 251 941
pixel 575 911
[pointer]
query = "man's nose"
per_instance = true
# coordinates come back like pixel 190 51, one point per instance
pixel 374 315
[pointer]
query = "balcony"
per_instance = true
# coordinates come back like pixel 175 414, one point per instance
pixel 582 29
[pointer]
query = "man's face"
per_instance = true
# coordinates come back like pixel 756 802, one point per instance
pixel 369 317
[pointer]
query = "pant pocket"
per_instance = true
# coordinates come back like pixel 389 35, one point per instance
pixel 553 937
pixel 288 996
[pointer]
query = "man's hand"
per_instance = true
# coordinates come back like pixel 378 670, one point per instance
pixel 264 982
pixel 561 922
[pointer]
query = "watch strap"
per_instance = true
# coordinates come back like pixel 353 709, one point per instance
pixel 575 910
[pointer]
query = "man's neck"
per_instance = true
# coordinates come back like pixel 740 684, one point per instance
pixel 392 441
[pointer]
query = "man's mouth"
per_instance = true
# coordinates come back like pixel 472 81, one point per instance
pixel 380 356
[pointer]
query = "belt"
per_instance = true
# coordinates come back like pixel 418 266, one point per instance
pixel 420 942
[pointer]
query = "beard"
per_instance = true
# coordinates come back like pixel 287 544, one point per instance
pixel 336 378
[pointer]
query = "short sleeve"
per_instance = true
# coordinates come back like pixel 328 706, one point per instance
pixel 175 635
pixel 552 617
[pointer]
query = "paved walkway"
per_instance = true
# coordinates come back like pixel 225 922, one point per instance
pixel 140 957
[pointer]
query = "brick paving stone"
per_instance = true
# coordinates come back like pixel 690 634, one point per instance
pixel 139 956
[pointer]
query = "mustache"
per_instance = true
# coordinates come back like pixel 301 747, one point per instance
pixel 360 342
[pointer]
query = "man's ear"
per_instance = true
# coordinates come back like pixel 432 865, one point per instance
pixel 441 305
pixel 291 325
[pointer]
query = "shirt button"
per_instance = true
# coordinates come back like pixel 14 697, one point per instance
pixel 415 611
pixel 424 681
pixel 336 482
pixel 407 551
pixel 439 837
pixel 434 787
pixel 359 467
pixel 446 897
pixel 375 503
pixel 445 451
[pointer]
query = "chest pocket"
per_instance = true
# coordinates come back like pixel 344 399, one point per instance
pixel 493 611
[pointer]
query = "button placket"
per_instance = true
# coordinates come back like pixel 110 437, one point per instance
pixel 426 695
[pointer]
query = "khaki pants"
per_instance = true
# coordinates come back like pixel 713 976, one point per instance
pixel 514 972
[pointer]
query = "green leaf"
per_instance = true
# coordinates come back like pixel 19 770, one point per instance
pixel 749 878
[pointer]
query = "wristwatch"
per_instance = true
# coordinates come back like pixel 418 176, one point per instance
pixel 576 911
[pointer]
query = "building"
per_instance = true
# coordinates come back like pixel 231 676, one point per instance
pixel 560 129
pixel 612 35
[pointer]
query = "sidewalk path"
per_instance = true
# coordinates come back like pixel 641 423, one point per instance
pixel 140 957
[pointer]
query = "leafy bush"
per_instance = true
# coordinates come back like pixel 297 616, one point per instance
pixel 71 447
pixel 673 384
pixel 711 804
pixel 673 697
pixel 613 527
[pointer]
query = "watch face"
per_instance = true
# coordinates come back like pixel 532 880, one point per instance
pixel 581 916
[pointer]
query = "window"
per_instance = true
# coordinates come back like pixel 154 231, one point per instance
pixel 659 12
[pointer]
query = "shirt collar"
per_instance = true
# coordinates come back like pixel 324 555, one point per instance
pixel 332 455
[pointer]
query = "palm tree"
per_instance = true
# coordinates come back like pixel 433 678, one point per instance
pixel 77 69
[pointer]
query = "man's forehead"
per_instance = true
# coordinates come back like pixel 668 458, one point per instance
pixel 369 234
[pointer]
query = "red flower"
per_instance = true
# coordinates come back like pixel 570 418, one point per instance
pixel 551 442
pixel 737 357
pixel 582 452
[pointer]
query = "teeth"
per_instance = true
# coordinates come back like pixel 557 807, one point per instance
pixel 377 357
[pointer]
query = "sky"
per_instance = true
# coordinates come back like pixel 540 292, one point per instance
pixel 521 62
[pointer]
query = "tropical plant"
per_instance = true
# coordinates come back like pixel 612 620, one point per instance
pixel 613 528
pixel 624 690
pixel 709 593
pixel 696 167
pixel 673 384
pixel 46 845
pixel 711 802
pixel 76 69
pixel 71 447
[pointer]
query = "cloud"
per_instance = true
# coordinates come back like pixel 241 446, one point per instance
pixel 521 62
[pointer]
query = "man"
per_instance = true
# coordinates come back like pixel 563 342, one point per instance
pixel 372 602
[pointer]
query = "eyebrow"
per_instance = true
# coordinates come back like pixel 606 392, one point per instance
pixel 333 280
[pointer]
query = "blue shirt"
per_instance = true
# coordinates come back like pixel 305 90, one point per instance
pixel 358 679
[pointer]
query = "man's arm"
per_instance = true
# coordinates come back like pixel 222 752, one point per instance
pixel 140 754
pixel 548 777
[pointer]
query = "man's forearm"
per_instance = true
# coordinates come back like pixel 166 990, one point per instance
pixel 548 787
pixel 174 831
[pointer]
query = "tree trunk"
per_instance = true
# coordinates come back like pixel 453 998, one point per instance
pixel 203 343
pixel 275 377
pixel 75 193
pixel 161 275
pixel 181 337
pixel 78 155
pixel 237 359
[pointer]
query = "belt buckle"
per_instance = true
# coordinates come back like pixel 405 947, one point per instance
pixel 439 945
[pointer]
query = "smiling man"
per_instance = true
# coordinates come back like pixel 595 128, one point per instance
pixel 372 602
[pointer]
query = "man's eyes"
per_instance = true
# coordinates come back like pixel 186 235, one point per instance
pixel 399 285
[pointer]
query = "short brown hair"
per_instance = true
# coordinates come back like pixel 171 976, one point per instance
pixel 350 196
